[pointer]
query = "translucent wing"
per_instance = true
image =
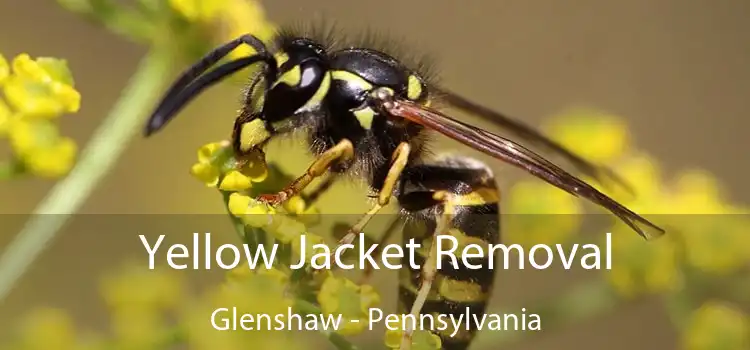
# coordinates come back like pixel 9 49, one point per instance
pixel 513 153
pixel 526 133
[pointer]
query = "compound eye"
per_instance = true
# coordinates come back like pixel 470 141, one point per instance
pixel 416 90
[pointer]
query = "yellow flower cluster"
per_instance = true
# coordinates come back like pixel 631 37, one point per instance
pixel 261 292
pixel 704 231
pixel 716 325
pixel 340 296
pixel 36 93
pixel 232 18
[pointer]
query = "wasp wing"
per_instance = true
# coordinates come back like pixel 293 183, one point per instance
pixel 513 153
pixel 529 134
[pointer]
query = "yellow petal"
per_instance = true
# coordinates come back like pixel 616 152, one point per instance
pixel 52 161
pixel 5 117
pixel 4 69
pixel 24 66
pixel 28 135
pixel 198 10
pixel 235 181
pixel 238 204
pixel 207 151
pixel 57 327
pixel 206 173
pixel 295 205
pixel 288 229
pixel 40 99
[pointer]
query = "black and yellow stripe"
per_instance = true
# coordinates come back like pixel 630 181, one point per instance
pixel 474 201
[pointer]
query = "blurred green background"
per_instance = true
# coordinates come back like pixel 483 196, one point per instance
pixel 676 71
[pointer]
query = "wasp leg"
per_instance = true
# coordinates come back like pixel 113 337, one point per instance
pixel 314 195
pixel 384 238
pixel 429 269
pixel 453 202
pixel 341 152
pixel 398 163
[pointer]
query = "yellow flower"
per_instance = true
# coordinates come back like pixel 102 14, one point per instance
pixel 310 241
pixel 716 243
pixel 136 287
pixel 643 173
pixel 48 328
pixel 4 69
pixel 215 161
pixel 640 266
pixel 41 88
pixel 198 10
pixel 5 117
pixel 717 326
pixel 421 340
pixel 39 146
pixel 138 328
pixel 697 192
pixel 239 17
pixel 340 296
pixel 597 136
pixel 541 214
pixel 261 292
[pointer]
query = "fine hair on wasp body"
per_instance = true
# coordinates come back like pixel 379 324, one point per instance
pixel 368 114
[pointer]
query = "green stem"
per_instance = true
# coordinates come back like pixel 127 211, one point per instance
pixel 99 157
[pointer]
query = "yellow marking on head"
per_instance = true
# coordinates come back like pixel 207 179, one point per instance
pixel 281 58
pixel 413 88
pixel 320 94
pixel 291 77
pixel 253 134
pixel 460 291
pixel 351 78
pixel 483 195
pixel 365 117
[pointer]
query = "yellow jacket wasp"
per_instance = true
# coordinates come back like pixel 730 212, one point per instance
pixel 367 115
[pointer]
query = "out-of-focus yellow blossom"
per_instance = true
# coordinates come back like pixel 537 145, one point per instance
pixel 311 240
pixel 5 118
pixel 340 296
pixel 138 328
pixel 421 340
pixel 41 87
pixel 643 173
pixel 215 161
pixel 595 135
pixel 47 328
pixel 716 238
pixel 256 293
pixel 540 214
pixel 4 69
pixel 240 17
pixel 198 10
pixel 717 326
pixel 640 266
pixel 138 287
pixel 232 18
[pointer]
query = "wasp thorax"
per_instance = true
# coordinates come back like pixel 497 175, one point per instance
pixel 302 81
